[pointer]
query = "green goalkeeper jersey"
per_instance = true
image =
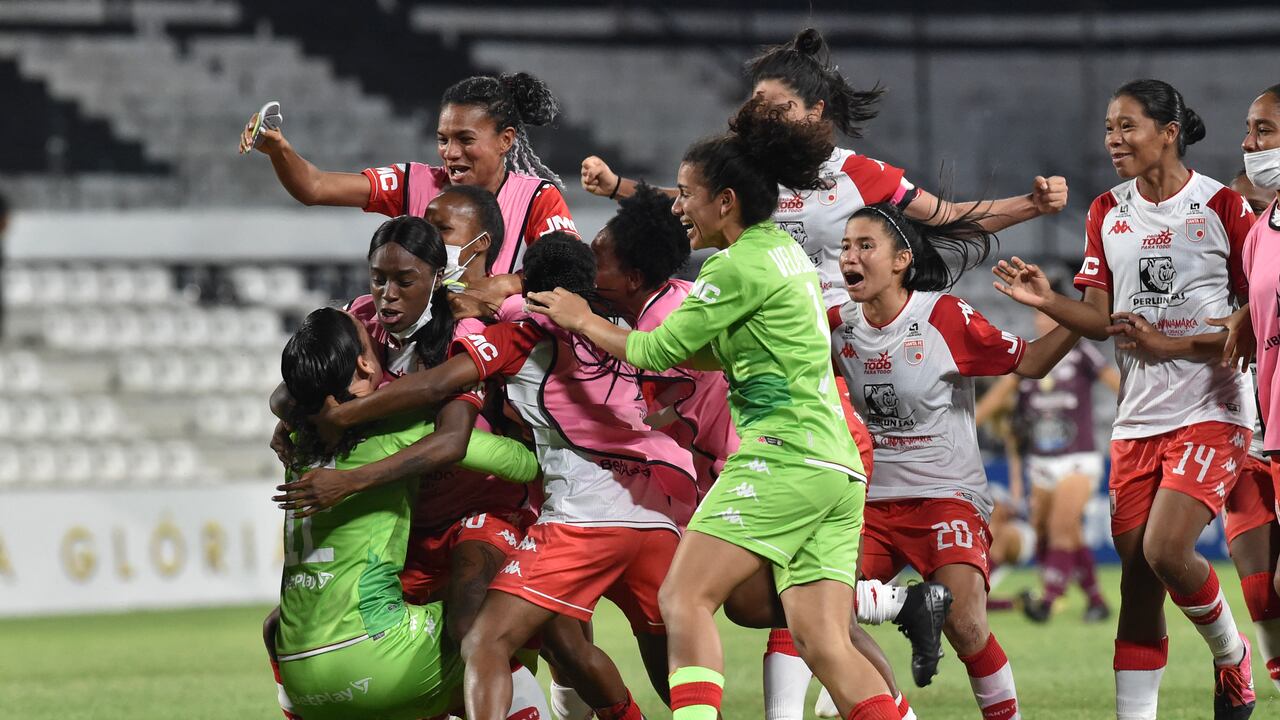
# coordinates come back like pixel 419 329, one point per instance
pixel 758 305
pixel 341 579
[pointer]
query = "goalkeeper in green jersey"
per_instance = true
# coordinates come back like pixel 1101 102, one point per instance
pixel 791 498
pixel 348 645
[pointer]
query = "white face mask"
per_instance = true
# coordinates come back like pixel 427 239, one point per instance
pixel 423 319
pixel 1263 168
pixel 452 269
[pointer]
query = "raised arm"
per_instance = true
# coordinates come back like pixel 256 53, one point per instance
pixel 598 179
pixel 1045 352
pixel 415 391
pixel 307 183
pixel 1048 196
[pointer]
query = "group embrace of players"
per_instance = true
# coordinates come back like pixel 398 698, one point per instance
pixel 515 423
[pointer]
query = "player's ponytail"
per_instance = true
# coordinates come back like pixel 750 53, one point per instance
pixel 1162 103
pixel 761 151
pixel 804 64
pixel 511 100
pixel 963 239
pixel 318 362
pixel 421 239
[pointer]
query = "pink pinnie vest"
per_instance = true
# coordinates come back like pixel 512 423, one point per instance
pixel 424 182
pixel 704 423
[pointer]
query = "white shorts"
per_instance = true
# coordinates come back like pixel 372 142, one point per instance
pixel 1046 472
pixel 1027 549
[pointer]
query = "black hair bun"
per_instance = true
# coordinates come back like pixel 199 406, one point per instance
pixel 809 42
pixel 534 101
pixel 1192 127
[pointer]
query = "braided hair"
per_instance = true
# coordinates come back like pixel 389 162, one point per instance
pixel 511 100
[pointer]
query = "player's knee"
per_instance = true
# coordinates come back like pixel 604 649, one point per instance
pixel 820 647
pixel 966 630
pixel 1167 560
pixel 677 604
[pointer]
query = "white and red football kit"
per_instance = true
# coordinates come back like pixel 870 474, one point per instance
pixel 531 207
pixel 816 218
pixel 912 382
pixel 606 526
pixel 1184 425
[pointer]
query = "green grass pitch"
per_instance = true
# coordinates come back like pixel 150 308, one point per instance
pixel 206 664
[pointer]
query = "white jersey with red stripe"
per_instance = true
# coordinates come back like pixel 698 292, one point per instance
pixel 1176 263
pixel 912 381
pixel 816 218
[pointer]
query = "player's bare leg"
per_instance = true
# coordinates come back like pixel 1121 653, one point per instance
pixel 818 615
pixel 472 566
pixel 583 666
pixel 1064 532
pixel 966 628
pixel 503 625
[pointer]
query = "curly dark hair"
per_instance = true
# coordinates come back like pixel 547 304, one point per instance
pixel 804 64
pixel 647 237
pixel 761 151
pixel 511 100
pixel 963 238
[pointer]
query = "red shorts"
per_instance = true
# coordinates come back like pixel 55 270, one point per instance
pixel 925 533
pixel 857 427
pixel 1201 461
pixel 427 562
pixel 1252 502
pixel 567 569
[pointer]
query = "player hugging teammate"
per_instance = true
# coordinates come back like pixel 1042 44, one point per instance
pixel 693 446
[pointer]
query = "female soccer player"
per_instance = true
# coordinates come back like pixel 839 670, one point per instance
pixel 482 138
pixel 1053 420
pixel 908 352
pixel 790 498
pixel 609 480
pixel 348 644
pixel 1163 253
pixel 801 75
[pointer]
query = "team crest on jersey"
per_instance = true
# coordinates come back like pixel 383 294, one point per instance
pixel 913 350
pixel 1156 276
pixel 883 408
pixel 1195 228
pixel 827 194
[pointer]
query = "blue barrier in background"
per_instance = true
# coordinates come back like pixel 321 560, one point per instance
pixel 1097 521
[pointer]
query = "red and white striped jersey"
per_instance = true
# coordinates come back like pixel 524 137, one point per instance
pixel 1176 263
pixel 816 218
pixel 912 381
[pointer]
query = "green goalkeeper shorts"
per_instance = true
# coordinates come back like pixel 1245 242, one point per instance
pixel 801 514
pixel 410 671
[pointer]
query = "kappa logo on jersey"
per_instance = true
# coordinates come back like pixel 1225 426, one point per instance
pixel 1195 229
pixel 1158 241
pixel 1238 440
pixel 731 516
pixel 883 408
pixel 746 490
pixel 758 465
pixel 878 365
pixel 1120 227
pixel 1156 276
pixel 528 544
pixel 847 352
pixel 914 351
pixel 510 537
pixel 1230 466
pixel 792 204
pixel 512 568
pixel 967 309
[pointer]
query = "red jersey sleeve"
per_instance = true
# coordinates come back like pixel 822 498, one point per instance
pixel 877 181
pixel 498 349
pixel 1237 219
pixel 833 317
pixel 1095 272
pixel 547 213
pixel 977 347
pixel 387 189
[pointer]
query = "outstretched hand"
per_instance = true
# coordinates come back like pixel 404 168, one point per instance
pixel 565 309
pixel 1242 345
pixel 1023 282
